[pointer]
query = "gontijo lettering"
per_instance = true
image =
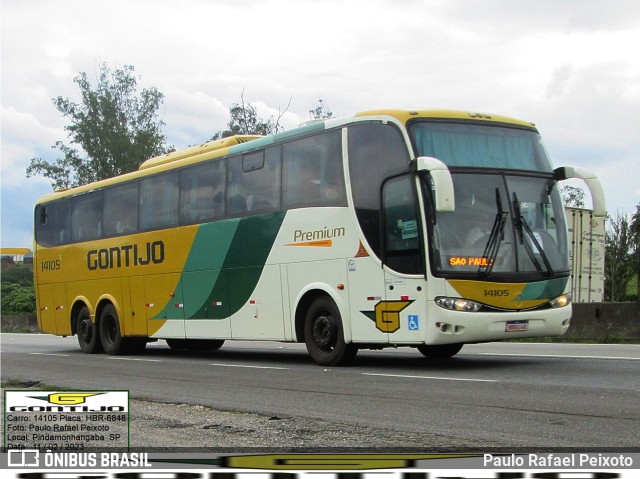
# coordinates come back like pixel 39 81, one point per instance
pixel 126 256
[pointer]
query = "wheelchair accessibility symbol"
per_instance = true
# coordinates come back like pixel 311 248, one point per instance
pixel 413 322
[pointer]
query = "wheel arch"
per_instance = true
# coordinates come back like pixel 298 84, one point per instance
pixel 79 303
pixel 103 302
pixel 304 300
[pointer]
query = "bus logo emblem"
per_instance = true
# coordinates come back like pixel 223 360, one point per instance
pixel 386 315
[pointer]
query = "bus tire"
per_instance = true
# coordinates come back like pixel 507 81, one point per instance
pixel 324 336
pixel 195 344
pixel 87 332
pixel 440 351
pixel 110 335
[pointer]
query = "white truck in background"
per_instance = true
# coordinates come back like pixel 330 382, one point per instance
pixel 587 251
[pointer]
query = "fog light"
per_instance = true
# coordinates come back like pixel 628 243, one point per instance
pixel 561 301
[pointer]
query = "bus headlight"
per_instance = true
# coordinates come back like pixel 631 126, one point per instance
pixel 458 304
pixel 560 301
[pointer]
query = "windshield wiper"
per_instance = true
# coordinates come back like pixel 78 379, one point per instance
pixel 522 227
pixel 495 238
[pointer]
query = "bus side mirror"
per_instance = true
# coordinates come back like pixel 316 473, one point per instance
pixel 442 183
pixel 595 188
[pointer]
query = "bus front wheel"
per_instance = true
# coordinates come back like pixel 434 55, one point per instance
pixel 324 336
pixel 440 351
pixel 87 333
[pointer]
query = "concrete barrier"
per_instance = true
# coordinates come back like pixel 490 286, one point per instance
pixel 591 321
pixel 19 323
pixel 605 322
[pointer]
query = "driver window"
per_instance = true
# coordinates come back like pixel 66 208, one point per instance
pixel 401 226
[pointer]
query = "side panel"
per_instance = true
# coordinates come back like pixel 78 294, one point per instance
pixel 207 314
pixel 261 317
pixel 164 301
pixel 406 305
pixel 47 308
pixel 366 293
pixel 136 322
pixel 62 311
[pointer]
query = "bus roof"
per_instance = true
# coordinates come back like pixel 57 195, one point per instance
pixel 404 116
pixel 241 143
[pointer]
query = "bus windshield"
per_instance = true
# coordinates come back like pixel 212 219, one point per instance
pixel 509 218
pixel 502 224
pixel 481 146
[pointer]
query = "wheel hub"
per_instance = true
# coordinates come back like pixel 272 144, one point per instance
pixel 323 332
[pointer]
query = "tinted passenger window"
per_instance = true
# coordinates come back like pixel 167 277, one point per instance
pixel 202 192
pixel 86 217
pixel 52 223
pixel 313 172
pixel 254 182
pixel 376 152
pixel 121 210
pixel 159 201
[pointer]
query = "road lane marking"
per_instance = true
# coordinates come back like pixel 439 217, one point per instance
pixel 431 377
pixel 136 359
pixel 50 354
pixel 561 356
pixel 245 366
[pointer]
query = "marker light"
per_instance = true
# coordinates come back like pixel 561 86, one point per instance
pixel 458 304
pixel 561 301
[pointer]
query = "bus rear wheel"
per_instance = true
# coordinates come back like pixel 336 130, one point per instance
pixel 87 332
pixel 440 351
pixel 110 334
pixel 324 336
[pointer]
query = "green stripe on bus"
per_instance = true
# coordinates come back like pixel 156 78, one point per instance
pixel 548 289
pixel 224 266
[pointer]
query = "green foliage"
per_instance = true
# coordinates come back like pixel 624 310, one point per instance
pixel 572 196
pixel 17 291
pixel 620 258
pixel 245 121
pixel 114 128
pixel 320 111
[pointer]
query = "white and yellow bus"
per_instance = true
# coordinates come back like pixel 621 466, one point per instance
pixel 427 229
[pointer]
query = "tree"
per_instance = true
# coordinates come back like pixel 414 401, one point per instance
pixel 320 111
pixel 245 121
pixel 635 241
pixel 114 128
pixel 572 196
pixel 16 290
pixel 618 267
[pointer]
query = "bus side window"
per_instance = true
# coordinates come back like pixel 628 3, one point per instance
pixel 253 185
pixel 202 192
pixel 121 210
pixel 86 217
pixel 261 178
pixel 376 152
pixel 52 223
pixel 313 173
pixel 159 201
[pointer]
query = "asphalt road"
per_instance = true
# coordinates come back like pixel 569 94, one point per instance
pixel 497 394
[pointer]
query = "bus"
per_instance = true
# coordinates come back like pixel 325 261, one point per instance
pixel 428 229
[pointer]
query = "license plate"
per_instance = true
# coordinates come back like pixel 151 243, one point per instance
pixel 516 326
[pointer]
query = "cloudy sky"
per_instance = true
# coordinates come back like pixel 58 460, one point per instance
pixel 570 66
